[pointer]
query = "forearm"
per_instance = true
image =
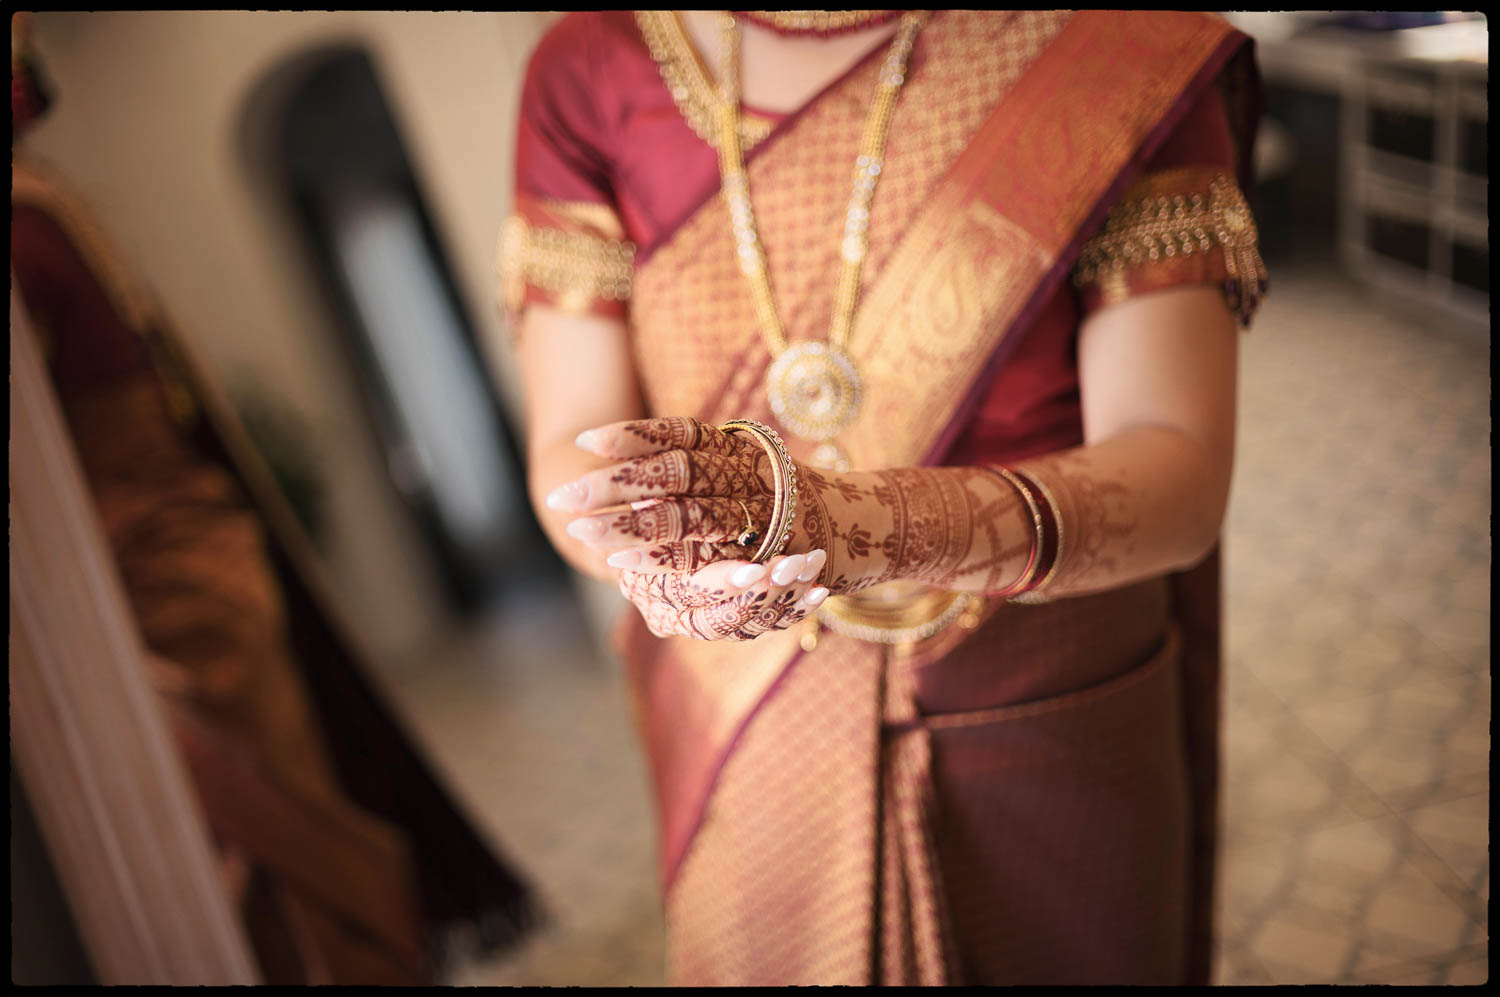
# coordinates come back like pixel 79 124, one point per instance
pixel 1143 502
pixel 565 397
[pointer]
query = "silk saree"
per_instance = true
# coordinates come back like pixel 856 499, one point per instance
pixel 1027 797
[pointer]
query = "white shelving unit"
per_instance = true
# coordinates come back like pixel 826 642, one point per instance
pixel 1405 217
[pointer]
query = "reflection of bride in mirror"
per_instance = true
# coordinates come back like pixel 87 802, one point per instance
pixel 347 859
pixel 926 653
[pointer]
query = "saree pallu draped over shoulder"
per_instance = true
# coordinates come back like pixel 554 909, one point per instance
pixel 1028 801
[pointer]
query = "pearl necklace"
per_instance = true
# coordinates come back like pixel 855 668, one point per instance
pixel 813 387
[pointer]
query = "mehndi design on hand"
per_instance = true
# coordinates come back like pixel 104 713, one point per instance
pixel 961 528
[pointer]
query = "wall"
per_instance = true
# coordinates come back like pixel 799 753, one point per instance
pixel 147 126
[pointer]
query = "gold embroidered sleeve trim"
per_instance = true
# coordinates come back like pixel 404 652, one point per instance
pixel 1165 221
pixel 691 87
pixel 575 270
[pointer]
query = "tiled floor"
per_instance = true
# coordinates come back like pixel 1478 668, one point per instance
pixel 1356 839
pixel 1358 704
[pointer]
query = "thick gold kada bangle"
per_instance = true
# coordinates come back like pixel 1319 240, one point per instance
pixel 783 485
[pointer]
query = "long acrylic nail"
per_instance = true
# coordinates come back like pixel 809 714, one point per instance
pixel 623 559
pixel 748 575
pixel 787 571
pixel 816 596
pixel 568 496
pixel 587 530
pixel 815 561
pixel 586 440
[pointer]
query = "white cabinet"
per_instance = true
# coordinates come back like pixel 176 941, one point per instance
pixel 1413 187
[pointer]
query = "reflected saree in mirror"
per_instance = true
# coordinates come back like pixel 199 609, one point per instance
pixel 1028 800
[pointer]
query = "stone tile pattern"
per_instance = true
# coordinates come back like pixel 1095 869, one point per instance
pixel 1355 824
pixel 1355 828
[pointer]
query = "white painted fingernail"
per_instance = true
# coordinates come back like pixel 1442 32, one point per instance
pixel 586 440
pixel 787 571
pixel 748 575
pixel 587 529
pixel 568 496
pixel 816 596
pixel 623 559
pixel 815 562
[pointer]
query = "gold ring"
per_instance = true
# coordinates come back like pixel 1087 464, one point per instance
pixel 750 534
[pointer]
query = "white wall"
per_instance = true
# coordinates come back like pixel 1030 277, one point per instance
pixel 146 126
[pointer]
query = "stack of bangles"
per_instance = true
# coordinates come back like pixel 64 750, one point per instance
pixel 783 486
pixel 1047 537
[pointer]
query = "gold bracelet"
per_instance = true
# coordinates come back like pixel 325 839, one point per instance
pixel 783 485
pixel 1020 585
pixel 1036 595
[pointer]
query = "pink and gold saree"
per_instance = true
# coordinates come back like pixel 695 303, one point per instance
pixel 1027 800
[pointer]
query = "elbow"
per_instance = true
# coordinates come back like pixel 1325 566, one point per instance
pixel 1204 501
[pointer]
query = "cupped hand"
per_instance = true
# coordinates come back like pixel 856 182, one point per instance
pixel 729 599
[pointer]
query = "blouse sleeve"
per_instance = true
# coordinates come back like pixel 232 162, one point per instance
pixel 563 244
pixel 1184 221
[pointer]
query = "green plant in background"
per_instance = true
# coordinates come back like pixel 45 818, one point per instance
pixel 285 443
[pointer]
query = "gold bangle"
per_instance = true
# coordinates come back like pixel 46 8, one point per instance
pixel 1036 595
pixel 783 485
pixel 1020 585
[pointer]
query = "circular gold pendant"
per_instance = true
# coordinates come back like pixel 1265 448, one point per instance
pixel 814 390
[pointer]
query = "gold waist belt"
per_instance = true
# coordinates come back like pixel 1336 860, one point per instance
pixel 902 621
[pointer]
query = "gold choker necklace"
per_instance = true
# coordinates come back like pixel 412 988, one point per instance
pixel 813 387
pixel 823 23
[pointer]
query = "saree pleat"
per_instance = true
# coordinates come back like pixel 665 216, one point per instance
pixel 778 888
pixel 916 929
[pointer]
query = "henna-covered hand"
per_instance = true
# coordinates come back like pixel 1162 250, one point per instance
pixel 684 492
pixel 683 495
pixel 727 600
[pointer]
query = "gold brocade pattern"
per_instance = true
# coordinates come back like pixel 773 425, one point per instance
pixel 1172 216
pixel 778 888
pixel 963 64
pixel 574 268
pixel 691 86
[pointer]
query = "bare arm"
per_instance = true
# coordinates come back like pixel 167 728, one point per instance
pixel 577 372
pixel 1147 491
pixel 1145 494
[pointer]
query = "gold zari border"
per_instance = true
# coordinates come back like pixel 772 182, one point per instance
pixel 575 268
pixel 1170 215
pixel 691 89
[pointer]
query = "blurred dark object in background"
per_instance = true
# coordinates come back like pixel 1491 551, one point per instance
pixel 450 451
pixel 1388 20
